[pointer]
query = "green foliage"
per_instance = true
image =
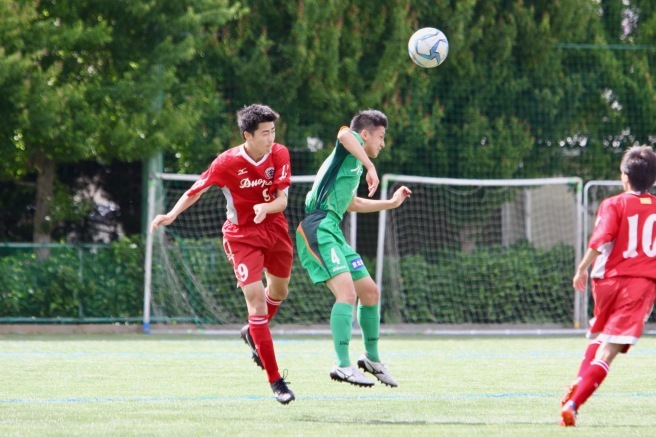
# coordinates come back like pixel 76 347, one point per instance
pixel 521 284
pixel 529 89
pixel 74 282
pixel 102 81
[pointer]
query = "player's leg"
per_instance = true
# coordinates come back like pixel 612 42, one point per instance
pixel 369 315
pixel 620 322
pixel 590 381
pixel 246 262
pixel 341 322
pixel 369 321
pixel 245 251
pixel 341 316
pixel 588 356
pixel 278 259
pixel 318 243
pixel 258 329
pixel 275 293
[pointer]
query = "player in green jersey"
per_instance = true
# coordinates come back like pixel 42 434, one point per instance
pixel 326 255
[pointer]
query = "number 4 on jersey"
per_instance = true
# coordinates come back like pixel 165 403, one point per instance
pixel 333 256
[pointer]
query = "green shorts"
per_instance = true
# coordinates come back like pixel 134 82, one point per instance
pixel 323 250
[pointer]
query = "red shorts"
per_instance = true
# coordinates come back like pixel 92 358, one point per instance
pixel 622 306
pixel 253 248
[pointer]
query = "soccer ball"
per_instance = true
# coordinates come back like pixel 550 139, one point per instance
pixel 428 47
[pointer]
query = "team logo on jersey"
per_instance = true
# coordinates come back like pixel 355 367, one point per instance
pixel 254 183
pixel 357 264
pixel 269 172
pixel 241 171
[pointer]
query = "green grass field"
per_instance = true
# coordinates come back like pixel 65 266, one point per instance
pixel 207 385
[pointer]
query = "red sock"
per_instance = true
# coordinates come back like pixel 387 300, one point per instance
pixel 272 304
pixel 590 381
pixel 258 326
pixel 590 353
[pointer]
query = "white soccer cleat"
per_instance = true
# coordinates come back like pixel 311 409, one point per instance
pixel 377 369
pixel 351 375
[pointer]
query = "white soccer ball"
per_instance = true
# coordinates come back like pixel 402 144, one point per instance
pixel 428 47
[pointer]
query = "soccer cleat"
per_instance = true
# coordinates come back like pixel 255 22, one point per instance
pixel 282 393
pixel 351 375
pixel 570 391
pixel 377 369
pixel 246 336
pixel 568 414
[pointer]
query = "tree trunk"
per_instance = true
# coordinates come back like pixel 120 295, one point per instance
pixel 44 195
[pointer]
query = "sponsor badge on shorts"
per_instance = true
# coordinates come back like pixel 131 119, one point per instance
pixel 357 264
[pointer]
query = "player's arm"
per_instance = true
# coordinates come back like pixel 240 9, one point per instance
pixel 278 205
pixel 607 225
pixel 182 204
pixel 580 279
pixel 362 204
pixel 350 143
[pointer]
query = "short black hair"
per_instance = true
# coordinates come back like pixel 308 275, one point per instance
pixel 639 164
pixel 250 117
pixel 368 119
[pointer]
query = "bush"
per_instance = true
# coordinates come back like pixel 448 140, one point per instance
pixel 74 282
pixel 520 284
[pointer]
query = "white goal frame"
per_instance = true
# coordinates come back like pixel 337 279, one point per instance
pixel 580 302
pixel 153 210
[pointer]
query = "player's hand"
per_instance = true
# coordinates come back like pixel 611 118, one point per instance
pixel 580 280
pixel 400 195
pixel 372 180
pixel 261 210
pixel 161 220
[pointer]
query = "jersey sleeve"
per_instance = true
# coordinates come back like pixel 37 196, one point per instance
pixel 283 173
pixel 212 176
pixel 606 225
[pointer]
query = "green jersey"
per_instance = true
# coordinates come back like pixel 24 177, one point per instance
pixel 337 181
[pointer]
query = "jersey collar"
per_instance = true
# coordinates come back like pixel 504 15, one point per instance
pixel 242 152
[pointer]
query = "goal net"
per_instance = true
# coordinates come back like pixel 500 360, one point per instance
pixel 488 252
pixel 190 280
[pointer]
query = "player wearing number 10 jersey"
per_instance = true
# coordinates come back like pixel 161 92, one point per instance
pixel 623 250
pixel 254 177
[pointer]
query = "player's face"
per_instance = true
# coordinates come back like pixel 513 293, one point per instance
pixel 260 142
pixel 374 141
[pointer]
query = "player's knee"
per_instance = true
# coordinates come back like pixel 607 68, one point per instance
pixel 346 296
pixel 369 296
pixel 279 292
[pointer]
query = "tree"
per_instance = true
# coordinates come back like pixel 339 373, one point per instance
pixel 96 80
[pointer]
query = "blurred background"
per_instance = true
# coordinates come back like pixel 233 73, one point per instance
pixel 97 95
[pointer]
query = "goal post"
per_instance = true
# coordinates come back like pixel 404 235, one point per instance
pixel 481 252
pixel 187 277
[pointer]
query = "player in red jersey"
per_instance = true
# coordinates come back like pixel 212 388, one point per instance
pixel 623 250
pixel 254 177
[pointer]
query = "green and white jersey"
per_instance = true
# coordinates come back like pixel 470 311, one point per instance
pixel 336 183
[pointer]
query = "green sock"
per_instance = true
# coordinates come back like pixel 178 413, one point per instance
pixel 341 319
pixel 369 320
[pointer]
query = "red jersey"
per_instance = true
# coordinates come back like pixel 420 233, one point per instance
pixel 245 183
pixel 624 234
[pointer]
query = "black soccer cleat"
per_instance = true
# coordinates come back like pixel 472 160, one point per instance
pixel 282 393
pixel 246 336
